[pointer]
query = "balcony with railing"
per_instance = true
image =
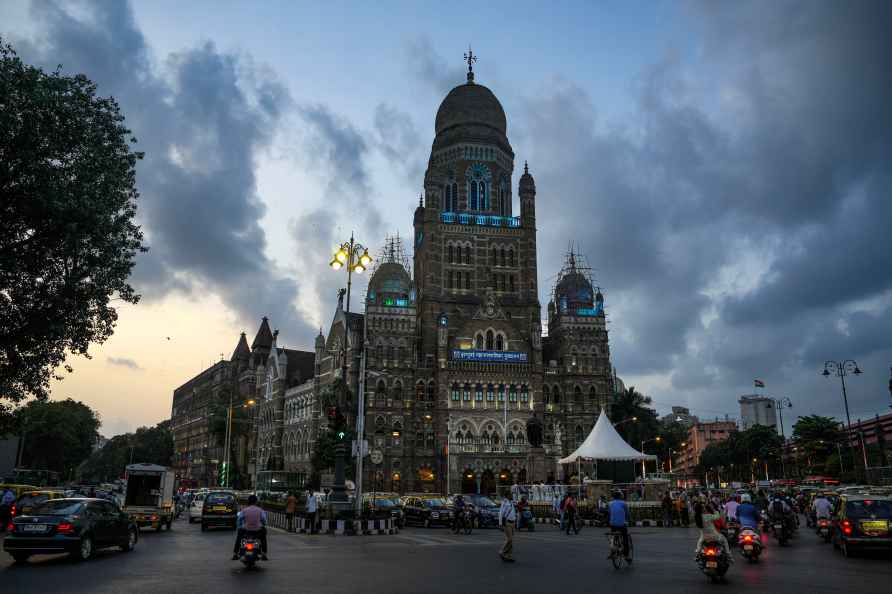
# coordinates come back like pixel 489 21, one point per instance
pixel 486 447
pixel 464 218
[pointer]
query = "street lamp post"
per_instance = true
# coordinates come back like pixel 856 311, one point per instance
pixel 779 405
pixel 356 258
pixel 228 447
pixel 842 369
pixel 644 462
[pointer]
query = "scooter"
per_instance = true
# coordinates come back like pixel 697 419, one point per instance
pixel 750 544
pixel 249 551
pixel 713 561
pixel 823 529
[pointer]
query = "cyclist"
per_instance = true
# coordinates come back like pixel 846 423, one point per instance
pixel 618 513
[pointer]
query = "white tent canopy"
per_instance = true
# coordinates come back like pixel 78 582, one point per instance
pixel 604 443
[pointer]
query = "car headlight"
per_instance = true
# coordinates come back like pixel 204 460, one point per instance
pixel 435 515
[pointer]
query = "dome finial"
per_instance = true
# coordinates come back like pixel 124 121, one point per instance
pixel 526 168
pixel 470 58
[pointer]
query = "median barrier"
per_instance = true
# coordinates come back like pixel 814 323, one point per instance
pixel 335 527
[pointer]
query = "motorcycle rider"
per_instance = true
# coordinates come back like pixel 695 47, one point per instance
pixel 459 505
pixel 780 511
pixel 618 514
pixel 711 531
pixel 822 507
pixel 251 520
pixel 731 508
pixel 747 514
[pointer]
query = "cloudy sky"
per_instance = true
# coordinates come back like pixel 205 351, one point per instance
pixel 724 166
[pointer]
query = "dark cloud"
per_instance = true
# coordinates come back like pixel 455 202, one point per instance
pixel 202 117
pixel 740 220
pixel 428 66
pixel 399 141
pixel 124 362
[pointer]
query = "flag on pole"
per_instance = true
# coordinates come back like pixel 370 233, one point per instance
pixel 759 383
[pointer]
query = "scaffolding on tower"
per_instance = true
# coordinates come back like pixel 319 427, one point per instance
pixel 575 264
pixel 392 252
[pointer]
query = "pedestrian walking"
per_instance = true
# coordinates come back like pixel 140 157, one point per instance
pixel 290 510
pixel 559 511
pixel 685 512
pixel 312 511
pixel 570 514
pixel 667 510
pixel 507 518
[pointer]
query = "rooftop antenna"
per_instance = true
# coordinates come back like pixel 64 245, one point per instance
pixel 470 58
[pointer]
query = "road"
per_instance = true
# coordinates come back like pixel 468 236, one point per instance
pixel 436 561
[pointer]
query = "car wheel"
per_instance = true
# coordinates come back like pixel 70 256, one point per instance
pixel 85 551
pixel 20 557
pixel 132 537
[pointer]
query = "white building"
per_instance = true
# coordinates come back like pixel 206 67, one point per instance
pixel 757 409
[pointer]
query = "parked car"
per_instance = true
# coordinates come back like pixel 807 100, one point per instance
pixel 384 503
pixel 863 522
pixel 487 510
pixel 29 500
pixel 220 509
pixel 77 526
pixel 427 511
pixel 196 507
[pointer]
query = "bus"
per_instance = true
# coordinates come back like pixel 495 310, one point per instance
pixel 38 478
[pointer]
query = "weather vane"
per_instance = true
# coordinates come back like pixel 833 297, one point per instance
pixel 470 58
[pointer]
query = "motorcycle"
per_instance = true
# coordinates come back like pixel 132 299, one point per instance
pixel 750 544
pixel 823 529
pixel 526 521
pixel 713 560
pixel 779 528
pixel 731 532
pixel 463 521
pixel 249 551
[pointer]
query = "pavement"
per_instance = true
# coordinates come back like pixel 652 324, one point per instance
pixel 436 561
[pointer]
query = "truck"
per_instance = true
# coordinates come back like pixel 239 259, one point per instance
pixel 148 495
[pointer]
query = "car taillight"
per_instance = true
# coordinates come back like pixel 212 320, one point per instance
pixel 65 528
pixel 846 527
pixel 12 511
pixel 10 527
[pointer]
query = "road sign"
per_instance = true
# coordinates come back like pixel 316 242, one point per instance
pixel 377 456
pixel 365 448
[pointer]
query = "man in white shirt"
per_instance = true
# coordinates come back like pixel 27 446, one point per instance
pixel 731 509
pixel 507 518
pixel 822 506
pixel 312 511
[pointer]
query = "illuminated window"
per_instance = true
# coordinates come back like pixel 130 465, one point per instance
pixel 455 392
pixel 479 394
pixel 490 393
pixel 524 394
pixel 512 397
pixel 467 393
pixel 502 393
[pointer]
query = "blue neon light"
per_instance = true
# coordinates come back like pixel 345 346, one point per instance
pixel 482 220
pixel 489 356
pixel 589 311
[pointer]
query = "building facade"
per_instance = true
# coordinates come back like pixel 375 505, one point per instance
pixel 700 435
pixel 757 409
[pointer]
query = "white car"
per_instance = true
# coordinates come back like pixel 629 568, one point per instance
pixel 196 507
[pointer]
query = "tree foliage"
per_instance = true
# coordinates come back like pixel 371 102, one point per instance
pixel 816 438
pixel 147 444
pixel 58 435
pixel 67 178
pixel 744 454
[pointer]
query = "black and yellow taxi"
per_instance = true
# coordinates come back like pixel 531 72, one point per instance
pixel 220 509
pixel 863 521
pixel 427 510
pixel 381 504
pixel 29 500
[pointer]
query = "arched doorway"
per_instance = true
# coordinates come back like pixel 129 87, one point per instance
pixel 506 479
pixel 468 482
pixel 488 483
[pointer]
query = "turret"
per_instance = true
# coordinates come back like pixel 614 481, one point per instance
pixel 527 192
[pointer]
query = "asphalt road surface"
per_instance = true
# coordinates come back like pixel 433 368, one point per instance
pixel 436 561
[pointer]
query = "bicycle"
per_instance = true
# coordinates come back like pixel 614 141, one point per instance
pixel 616 549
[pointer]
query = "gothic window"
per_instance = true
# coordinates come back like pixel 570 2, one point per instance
pixel 468 281
pixel 472 195
pixel 546 395
pixel 510 439
pixel 449 284
pixel 458 254
pixel 479 393
pixel 429 440
pixel 459 437
pixel 495 257
pixel 512 395
pixel 399 353
pixel 431 391
pixel 467 254
pixel 467 393
pixel 579 436
pixel 510 257
pixel 503 195
pixel 500 343
pixel 489 340
pixel 381 390
pixel 419 391
pixel 502 389
pixel 524 394
pixel 502 256
pixel 490 393
pixel 455 392
pixel 478 342
pixel 398 391
pixel 511 279
pixel 458 280
pixel 454 196
pixel 577 395
pixel 484 196
pixel 557 395
pixel 390 353
pixel 451 255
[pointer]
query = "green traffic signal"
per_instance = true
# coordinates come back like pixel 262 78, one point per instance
pixel 342 434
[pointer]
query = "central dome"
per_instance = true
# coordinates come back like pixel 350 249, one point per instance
pixel 471 105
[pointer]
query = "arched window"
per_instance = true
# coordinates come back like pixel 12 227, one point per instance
pixel 510 439
pixel 510 257
pixel 467 254
pixel 468 281
pixel 502 389
pixel 502 256
pixel 557 395
pixel 489 340
pixel 478 396
pixel 495 256
pixel 511 279
pixel 391 353
pixel 457 254
pixel 379 352
pixel 467 393
pixel 454 196
pixel 450 284
pixel 451 255
pixel 398 391
pixel 546 395
pixel 524 394
pixel 484 197
pixel 478 342
pixel 500 343
pixel 579 436
pixel 419 391
pixel 503 196
pixel 490 393
pixel 431 391
pixel 592 395
pixel 512 394
pixel 380 390
pixel 455 392
pixel 472 195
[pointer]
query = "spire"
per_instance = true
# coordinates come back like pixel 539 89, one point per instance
pixel 264 336
pixel 470 58
pixel 526 168
pixel 241 350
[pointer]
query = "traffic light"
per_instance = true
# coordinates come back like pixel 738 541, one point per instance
pixel 337 422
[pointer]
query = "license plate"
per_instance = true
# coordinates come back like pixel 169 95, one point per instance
pixel 220 508
pixel 748 547
pixel 874 526
pixel 712 564
pixel 778 526
pixel 34 528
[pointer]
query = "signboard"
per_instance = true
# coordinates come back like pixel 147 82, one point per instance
pixel 489 356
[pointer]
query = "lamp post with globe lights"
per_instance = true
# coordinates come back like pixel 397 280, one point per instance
pixel 841 369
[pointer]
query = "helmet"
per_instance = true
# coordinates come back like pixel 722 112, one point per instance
pixel 617 494
pixel 745 498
